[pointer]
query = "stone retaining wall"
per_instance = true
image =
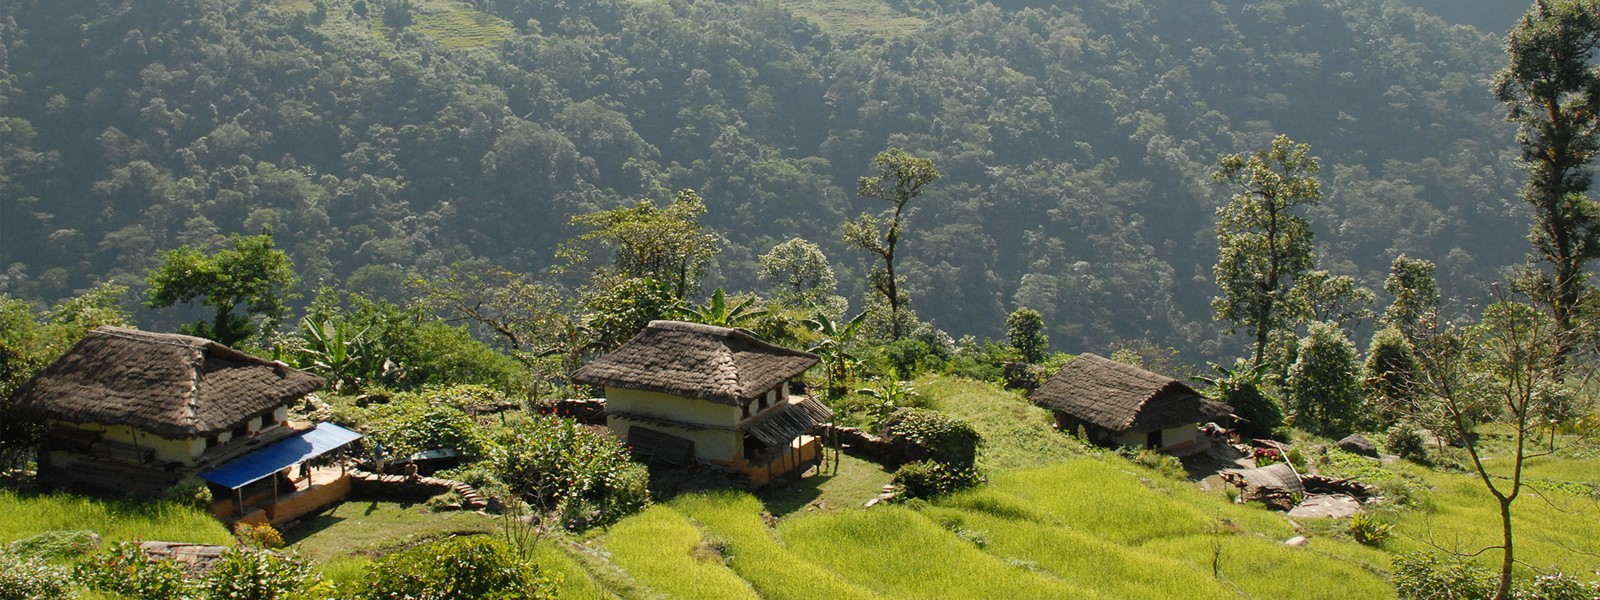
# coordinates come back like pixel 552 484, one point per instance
pixel 588 411
pixel 856 441
pixel 373 486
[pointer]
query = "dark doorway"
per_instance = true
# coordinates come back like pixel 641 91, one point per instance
pixel 1153 440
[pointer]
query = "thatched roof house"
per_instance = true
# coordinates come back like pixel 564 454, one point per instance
pixel 692 360
pixel 174 386
pixel 134 411
pixel 687 390
pixel 1119 404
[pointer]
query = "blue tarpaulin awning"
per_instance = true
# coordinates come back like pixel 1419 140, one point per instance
pixel 252 467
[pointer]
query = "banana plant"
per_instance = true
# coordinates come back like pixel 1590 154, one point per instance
pixel 338 351
pixel 838 362
pixel 717 311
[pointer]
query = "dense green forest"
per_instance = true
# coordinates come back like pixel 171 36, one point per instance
pixel 1076 141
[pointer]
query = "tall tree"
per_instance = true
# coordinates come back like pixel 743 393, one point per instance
pixel 1416 297
pixel 1025 331
pixel 1263 245
pixel 1325 382
pixel 799 272
pixel 253 274
pixel 1551 89
pixel 900 178
pixel 1323 296
pixel 527 315
pixel 666 244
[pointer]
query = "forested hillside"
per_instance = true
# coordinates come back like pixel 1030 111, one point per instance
pixel 1076 139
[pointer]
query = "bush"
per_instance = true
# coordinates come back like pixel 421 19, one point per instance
pixel 557 465
pixel 1368 530
pixel 124 569
pixel 458 567
pixel 243 574
pixel 926 479
pixel 1165 464
pixel 194 493
pixel 24 578
pixel 1420 576
pixel 423 422
pixel 259 535
pixel 56 544
pixel 916 434
pixel 1405 441
pixel 1260 416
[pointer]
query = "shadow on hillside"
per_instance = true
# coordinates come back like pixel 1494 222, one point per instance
pixel 315 523
pixel 849 486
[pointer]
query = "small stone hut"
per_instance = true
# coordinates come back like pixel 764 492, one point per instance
pixel 1122 405
pixel 680 391
pixel 130 411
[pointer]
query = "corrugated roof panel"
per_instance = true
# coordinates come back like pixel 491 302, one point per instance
pixel 258 465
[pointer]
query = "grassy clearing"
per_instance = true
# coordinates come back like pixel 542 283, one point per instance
pixel 846 16
pixel 459 27
pixel 774 571
pixel 664 551
pixel 1263 568
pixel 1091 496
pixel 1016 433
pixel 573 582
pixel 1082 559
pixel 367 529
pixel 24 514
pixel 855 482
pixel 900 552
pixel 1553 529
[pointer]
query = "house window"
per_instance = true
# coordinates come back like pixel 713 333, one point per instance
pixel 746 407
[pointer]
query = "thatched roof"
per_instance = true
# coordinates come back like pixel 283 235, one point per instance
pixel 697 361
pixel 174 386
pixel 1119 397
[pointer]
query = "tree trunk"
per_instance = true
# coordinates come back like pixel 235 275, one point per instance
pixel 1508 558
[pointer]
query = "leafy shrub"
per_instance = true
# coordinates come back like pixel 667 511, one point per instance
pixel 1296 457
pixel 1260 415
pixel 557 465
pixel 194 493
pixel 1267 456
pixel 1558 586
pixel 1420 576
pixel 983 361
pixel 916 434
pixel 419 423
pixel 56 544
pixel 124 569
pixel 26 578
pixel 244 574
pixel 1407 442
pixel 259 535
pixel 1165 464
pixel 458 567
pixel 1368 530
pixel 926 479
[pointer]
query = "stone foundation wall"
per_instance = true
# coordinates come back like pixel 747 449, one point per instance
pixel 372 486
pixel 589 411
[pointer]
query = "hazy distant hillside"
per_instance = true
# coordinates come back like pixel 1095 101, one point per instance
pixel 1076 139
pixel 1490 16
